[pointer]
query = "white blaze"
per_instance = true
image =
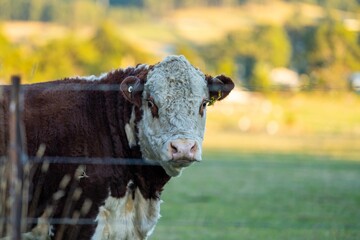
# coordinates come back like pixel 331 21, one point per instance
pixel 178 90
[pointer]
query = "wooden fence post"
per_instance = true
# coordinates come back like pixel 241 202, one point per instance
pixel 17 159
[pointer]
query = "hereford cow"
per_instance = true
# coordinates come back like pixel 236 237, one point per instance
pixel 153 114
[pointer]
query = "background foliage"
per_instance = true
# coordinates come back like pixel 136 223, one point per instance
pixel 323 47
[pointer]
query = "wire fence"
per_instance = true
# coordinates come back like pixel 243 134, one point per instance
pixel 15 168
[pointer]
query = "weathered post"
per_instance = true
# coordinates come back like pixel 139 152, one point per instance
pixel 17 159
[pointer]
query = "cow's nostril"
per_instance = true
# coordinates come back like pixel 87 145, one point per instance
pixel 193 148
pixel 173 148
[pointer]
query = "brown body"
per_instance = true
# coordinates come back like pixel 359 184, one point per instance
pixel 72 119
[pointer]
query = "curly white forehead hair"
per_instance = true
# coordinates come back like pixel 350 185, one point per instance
pixel 177 89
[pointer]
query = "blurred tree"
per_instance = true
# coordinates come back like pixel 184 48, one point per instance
pixel 66 54
pixel 157 8
pixel 13 60
pixel 36 9
pixel 349 5
pixel 190 52
pixel 9 57
pixel 49 10
pixel 297 33
pixel 131 3
pixel 5 9
pixel 272 45
pixel 112 50
pixel 184 3
pixel 333 53
pixel 245 65
pixel 260 80
pixel 227 66
pixel 109 46
pixel 20 10
pixel 250 55
pixel 44 10
pixel 69 56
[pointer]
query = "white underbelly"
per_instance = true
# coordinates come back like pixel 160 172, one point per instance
pixel 131 217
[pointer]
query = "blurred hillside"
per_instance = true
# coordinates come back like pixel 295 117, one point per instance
pixel 318 40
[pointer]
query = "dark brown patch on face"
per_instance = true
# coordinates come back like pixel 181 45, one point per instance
pixel 202 108
pixel 153 107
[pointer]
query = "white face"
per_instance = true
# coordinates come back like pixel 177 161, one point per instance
pixel 173 102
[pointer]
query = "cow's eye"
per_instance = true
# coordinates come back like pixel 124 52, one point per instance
pixel 152 106
pixel 150 103
pixel 203 105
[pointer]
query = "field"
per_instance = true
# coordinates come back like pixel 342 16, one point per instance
pixel 298 182
pixel 263 196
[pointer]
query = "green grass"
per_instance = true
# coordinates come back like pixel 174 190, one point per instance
pixel 263 196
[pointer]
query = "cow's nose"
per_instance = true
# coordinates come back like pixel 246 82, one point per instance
pixel 183 149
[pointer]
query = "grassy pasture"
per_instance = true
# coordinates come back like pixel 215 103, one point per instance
pixel 300 182
pixel 263 196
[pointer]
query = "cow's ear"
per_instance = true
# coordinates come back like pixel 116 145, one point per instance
pixel 219 87
pixel 132 88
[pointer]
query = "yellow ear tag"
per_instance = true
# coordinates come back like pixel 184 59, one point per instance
pixel 213 99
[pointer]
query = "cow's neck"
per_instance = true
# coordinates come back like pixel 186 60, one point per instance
pixel 118 113
pixel 149 179
pixel 121 114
